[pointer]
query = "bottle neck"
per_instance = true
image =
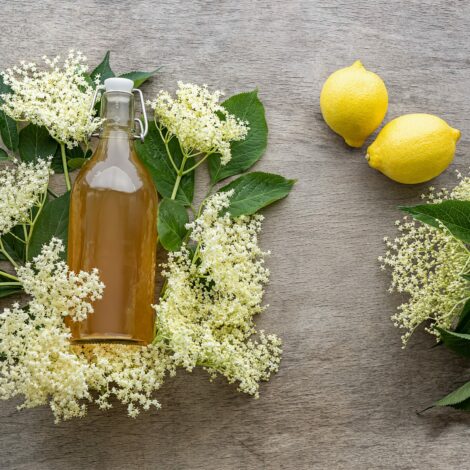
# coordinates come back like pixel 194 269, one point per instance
pixel 117 110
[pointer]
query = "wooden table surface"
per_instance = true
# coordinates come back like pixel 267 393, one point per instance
pixel 346 394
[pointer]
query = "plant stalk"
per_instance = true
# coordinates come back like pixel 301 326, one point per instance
pixel 7 255
pixel 179 176
pixel 64 165
pixel 9 276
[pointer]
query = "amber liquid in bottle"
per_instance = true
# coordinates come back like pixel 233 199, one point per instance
pixel 112 227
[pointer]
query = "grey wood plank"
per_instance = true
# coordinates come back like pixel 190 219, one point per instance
pixel 346 394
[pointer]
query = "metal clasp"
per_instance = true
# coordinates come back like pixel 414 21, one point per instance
pixel 143 128
pixel 92 107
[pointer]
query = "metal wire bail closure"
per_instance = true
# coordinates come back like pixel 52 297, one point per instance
pixel 143 128
pixel 90 113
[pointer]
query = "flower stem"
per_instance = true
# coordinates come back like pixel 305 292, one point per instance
pixel 196 165
pixel 33 223
pixel 9 276
pixel 64 165
pixel 7 255
pixel 166 141
pixel 180 174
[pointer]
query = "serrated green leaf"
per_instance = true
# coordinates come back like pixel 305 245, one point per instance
pixel 103 69
pixel 139 77
pixel 75 152
pixel 35 142
pixel 8 126
pixel 76 163
pixel 52 222
pixel 245 153
pixel 56 163
pixel 8 131
pixel 463 326
pixel 457 342
pixel 256 190
pixel 463 406
pixel 3 155
pixel 14 247
pixel 171 221
pixel 153 154
pixel 456 397
pixel 454 215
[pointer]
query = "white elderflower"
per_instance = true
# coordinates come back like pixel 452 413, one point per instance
pixel 22 186
pixel 426 265
pixel 48 280
pixel 130 374
pixel 38 362
pixel 58 98
pixel 198 120
pixel 206 314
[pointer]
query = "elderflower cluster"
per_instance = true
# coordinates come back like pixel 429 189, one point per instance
pixel 426 265
pixel 58 98
pixel 213 292
pixel 38 362
pixel 49 281
pixel 198 120
pixel 22 186
pixel 130 374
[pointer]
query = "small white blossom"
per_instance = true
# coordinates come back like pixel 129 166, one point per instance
pixel 22 186
pixel 198 120
pixel 48 280
pixel 38 362
pixel 206 314
pixel 426 264
pixel 130 374
pixel 56 98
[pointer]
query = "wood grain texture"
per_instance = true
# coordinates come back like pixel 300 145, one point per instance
pixel 346 394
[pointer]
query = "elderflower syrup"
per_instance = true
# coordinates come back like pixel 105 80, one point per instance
pixel 113 211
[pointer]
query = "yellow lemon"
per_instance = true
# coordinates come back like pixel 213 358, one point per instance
pixel 353 102
pixel 413 148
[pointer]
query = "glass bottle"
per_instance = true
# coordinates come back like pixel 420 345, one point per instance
pixel 112 227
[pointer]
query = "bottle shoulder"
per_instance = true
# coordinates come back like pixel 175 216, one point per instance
pixel 115 166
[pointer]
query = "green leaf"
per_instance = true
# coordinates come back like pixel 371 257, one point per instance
pixel 454 215
pixel 139 77
pixel 153 154
pixel 464 406
pixel 245 153
pixel 463 326
pixel 3 155
pixel 76 163
pixel 456 397
pixel 8 131
pixel 56 163
pixel 52 222
pixel 6 291
pixel 172 218
pixel 8 126
pixel 256 190
pixel 14 247
pixel 73 153
pixel 35 142
pixel 457 342
pixel 103 69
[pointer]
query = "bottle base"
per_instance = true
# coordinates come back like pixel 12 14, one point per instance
pixel 108 339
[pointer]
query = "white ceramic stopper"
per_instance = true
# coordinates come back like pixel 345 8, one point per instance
pixel 119 84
